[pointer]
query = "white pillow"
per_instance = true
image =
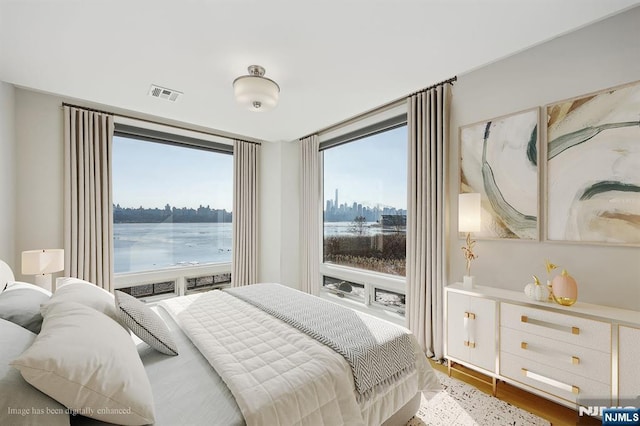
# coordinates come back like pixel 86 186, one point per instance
pixel 17 285
pixel 85 293
pixel 87 362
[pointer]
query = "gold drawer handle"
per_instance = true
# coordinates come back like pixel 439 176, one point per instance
pixel 470 344
pixel 573 330
pixel 470 315
pixel 552 382
pixel 574 359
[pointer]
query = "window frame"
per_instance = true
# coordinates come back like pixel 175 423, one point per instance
pixel 188 139
pixel 387 120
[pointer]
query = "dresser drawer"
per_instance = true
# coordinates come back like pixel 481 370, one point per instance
pixel 566 328
pixel 586 362
pixel 552 380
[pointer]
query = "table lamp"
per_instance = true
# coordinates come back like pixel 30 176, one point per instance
pixel 42 263
pixel 469 220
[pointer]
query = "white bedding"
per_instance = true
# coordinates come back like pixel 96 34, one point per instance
pixel 280 376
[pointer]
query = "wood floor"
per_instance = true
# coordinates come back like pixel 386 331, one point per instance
pixel 557 414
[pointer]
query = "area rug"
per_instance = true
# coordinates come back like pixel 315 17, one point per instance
pixel 462 404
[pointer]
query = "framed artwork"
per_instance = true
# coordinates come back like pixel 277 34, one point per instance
pixel 499 159
pixel 593 167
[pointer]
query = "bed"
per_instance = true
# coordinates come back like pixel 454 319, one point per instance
pixel 236 365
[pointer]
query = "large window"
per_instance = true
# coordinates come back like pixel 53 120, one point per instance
pixel 365 201
pixel 172 205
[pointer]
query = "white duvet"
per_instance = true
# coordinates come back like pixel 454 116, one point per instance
pixel 280 376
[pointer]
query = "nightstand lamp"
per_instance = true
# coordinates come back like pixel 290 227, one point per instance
pixel 469 220
pixel 42 263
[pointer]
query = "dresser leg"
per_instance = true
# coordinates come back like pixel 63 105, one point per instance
pixel 494 386
pixel 449 367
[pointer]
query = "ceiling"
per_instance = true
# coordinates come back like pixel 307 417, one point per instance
pixel 332 59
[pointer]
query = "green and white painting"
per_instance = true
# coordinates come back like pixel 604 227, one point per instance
pixel 499 160
pixel 593 167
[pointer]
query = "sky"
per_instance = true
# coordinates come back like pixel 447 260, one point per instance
pixel 370 171
pixel 153 175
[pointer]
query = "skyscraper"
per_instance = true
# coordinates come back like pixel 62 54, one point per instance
pixel 336 201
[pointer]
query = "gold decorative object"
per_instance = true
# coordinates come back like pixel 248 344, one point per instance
pixel 468 253
pixel 565 289
pixel 550 267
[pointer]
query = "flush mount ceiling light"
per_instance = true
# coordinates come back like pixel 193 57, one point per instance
pixel 256 92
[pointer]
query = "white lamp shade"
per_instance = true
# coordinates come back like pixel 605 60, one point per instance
pixel 45 261
pixel 469 212
pixel 256 93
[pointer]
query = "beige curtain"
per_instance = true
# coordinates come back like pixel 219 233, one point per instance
pixel 310 220
pixel 88 213
pixel 246 158
pixel 428 124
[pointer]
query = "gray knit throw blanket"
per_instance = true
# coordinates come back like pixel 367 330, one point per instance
pixel 377 351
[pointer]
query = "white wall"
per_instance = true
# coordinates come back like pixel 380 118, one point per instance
pixel 7 174
pixel 40 176
pixel 279 200
pixel 290 215
pixel 270 205
pixel 596 57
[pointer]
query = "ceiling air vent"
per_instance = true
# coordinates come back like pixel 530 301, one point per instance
pixel 164 93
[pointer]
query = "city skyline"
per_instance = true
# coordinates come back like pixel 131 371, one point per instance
pixel 153 175
pixel 334 211
pixel 370 171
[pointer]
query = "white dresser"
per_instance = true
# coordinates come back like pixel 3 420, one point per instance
pixel 570 354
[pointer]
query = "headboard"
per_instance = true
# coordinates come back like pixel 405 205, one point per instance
pixel 6 275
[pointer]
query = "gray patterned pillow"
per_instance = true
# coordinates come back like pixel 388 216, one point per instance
pixel 145 323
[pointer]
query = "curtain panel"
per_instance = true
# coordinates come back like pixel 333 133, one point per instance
pixel 310 219
pixel 88 213
pixel 428 124
pixel 246 160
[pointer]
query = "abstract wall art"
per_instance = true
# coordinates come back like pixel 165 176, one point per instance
pixel 593 167
pixel 499 159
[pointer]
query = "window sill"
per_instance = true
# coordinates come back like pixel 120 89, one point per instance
pixel 130 279
pixel 373 309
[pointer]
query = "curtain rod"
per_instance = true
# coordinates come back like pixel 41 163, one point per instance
pixel 433 86
pixel 157 122
pixel 378 109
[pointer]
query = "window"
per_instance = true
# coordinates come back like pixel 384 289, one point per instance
pixel 389 299
pixel 208 282
pixel 344 288
pixel 365 199
pixel 148 290
pixel 172 201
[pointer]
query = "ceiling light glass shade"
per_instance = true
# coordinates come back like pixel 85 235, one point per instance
pixel 255 92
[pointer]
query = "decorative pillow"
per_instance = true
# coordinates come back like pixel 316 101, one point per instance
pixel 145 323
pixel 16 285
pixel 20 304
pixel 85 293
pixel 89 363
pixel 22 404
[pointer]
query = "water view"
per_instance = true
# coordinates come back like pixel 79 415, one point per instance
pixel 148 246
